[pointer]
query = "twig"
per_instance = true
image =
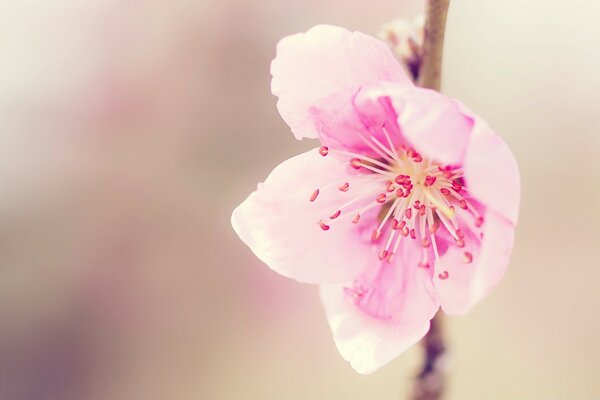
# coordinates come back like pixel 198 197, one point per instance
pixel 430 383
pixel 433 44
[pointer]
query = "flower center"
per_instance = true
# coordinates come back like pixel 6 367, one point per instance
pixel 415 197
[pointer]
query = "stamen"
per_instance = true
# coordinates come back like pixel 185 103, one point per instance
pixel 403 180
pixel 355 163
pixel 372 147
pixel 375 235
pixel 361 157
pixel 389 140
pixel 385 149
pixel 387 216
pixel 429 180
pixel 383 254
pixel 467 257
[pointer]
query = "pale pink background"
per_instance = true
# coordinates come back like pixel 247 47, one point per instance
pixel 130 130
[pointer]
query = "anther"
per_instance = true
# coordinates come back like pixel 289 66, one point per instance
pixel 375 235
pixel 456 186
pixel 344 187
pixel 389 186
pixel 445 191
pixel 323 226
pixel 313 196
pixel 356 219
pixel 467 257
pixel 463 204
pixel 434 227
pixel 355 163
pixel 381 198
pixel 323 150
pixel 429 180
pixel 401 179
pixel 335 214
pixel 443 275
pixel 423 264
pixel 383 254
pixel 408 213
pixel 413 234
pixel 479 222
pixel 426 242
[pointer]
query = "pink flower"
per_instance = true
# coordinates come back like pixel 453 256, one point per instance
pixel 409 204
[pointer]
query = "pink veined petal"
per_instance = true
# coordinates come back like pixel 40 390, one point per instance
pixel 348 120
pixel 326 59
pixel 371 332
pixel 423 119
pixel 468 283
pixel 491 172
pixel 280 224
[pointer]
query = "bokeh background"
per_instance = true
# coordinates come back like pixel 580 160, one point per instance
pixel 130 130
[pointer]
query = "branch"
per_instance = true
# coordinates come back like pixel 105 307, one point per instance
pixel 430 73
pixel 430 383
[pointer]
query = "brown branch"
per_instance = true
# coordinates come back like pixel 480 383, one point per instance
pixel 430 73
pixel 430 383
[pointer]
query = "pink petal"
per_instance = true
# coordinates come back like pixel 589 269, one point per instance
pixel 491 172
pixel 468 283
pixel 326 59
pixel 432 123
pixel 372 331
pixel 348 119
pixel 280 224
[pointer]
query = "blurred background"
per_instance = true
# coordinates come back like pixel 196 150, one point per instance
pixel 129 131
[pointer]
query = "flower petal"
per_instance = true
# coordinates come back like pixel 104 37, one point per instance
pixel 491 172
pixel 432 123
pixel 371 329
pixel 326 59
pixel 348 120
pixel 280 224
pixel 468 283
